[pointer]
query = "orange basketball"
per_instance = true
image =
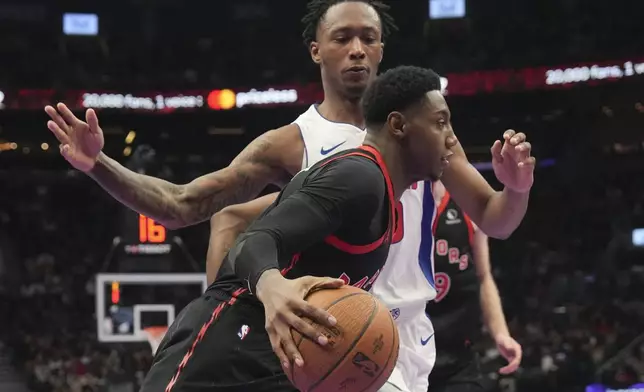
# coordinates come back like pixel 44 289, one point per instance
pixel 362 349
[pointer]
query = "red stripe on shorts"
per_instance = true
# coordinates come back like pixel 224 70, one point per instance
pixel 200 336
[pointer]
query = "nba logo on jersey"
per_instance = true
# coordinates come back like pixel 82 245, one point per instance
pixel 452 217
pixel 395 313
pixel 243 331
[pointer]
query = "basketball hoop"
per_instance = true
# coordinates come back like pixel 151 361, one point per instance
pixel 155 336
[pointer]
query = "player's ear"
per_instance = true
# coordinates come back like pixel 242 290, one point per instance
pixel 396 124
pixel 314 50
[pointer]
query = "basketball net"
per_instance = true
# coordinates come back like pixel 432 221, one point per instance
pixel 155 336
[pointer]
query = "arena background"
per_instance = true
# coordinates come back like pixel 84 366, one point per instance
pixel 182 88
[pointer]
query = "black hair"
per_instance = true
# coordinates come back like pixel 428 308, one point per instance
pixel 396 90
pixel 317 9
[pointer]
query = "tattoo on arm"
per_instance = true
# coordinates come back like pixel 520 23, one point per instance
pixel 182 205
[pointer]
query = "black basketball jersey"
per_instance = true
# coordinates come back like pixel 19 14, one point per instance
pixel 333 219
pixel 455 313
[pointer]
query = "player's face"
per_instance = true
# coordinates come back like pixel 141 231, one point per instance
pixel 349 47
pixel 431 137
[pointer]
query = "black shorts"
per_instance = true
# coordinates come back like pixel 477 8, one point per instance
pixel 467 377
pixel 217 343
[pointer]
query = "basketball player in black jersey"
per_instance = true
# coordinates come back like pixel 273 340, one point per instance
pixel 466 291
pixel 333 219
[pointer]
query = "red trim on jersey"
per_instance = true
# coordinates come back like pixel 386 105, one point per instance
pixel 470 228
pixel 294 260
pixel 440 210
pixel 202 332
pixel 362 249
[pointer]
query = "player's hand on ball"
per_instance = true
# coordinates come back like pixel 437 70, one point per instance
pixel 80 141
pixel 511 350
pixel 513 165
pixel 285 307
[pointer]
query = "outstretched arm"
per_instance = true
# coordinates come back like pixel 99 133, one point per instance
pixel 181 205
pixel 226 225
pixel 491 306
pixel 271 158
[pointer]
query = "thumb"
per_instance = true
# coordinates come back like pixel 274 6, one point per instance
pixel 92 120
pixel 496 151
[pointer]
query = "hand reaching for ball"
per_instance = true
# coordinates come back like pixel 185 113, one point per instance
pixel 285 308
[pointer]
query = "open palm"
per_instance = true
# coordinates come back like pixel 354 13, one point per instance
pixel 80 141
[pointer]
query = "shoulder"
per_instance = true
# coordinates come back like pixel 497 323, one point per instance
pixel 356 174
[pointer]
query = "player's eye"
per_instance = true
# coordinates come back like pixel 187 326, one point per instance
pixel 369 40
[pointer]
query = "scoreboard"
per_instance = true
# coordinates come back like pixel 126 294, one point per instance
pixel 146 246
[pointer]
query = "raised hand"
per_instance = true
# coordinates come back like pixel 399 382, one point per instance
pixel 80 141
pixel 513 165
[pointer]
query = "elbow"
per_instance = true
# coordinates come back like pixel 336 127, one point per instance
pixel 227 220
pixel 498 233
pixel 180 209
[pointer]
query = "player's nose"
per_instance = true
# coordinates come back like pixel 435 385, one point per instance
pixel 451 141
pixel 356 49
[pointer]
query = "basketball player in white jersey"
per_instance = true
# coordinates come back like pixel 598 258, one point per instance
pixel 345 37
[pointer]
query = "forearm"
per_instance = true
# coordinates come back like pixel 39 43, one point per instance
pixel 492 309
pixel 174 205
pixel 224 230
pixel 226 225
pixel 253 256
pixel 503 213
pixel 147 195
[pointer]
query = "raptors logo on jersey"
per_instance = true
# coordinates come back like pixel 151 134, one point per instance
pixel 455 310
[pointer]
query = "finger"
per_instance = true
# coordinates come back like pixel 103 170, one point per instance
pixel 306 329
pixel 55 116
pixel 289 347
pixel 326 283
pixel 512 366
pixel 316 314
pixel 518 138
pixel 508 369
pixel 523 151
pixel 528 164
pixel 277 347
pixel 508 134
pixel 92 120
pixel 65 151
pixel 67 114
pixel 58 133
pixel 496 151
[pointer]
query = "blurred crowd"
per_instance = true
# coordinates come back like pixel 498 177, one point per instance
pixel 569 280
pixel 153 45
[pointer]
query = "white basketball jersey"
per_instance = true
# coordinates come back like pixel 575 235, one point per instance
pixel 406 282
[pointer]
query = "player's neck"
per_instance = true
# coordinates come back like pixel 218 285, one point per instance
pixel 401 178
pixel 338 109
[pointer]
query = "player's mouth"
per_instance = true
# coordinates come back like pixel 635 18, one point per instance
pixel 357 70
pixel 445 159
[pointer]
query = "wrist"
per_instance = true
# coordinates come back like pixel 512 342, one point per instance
pixel 500 336
pixel 516 193
pixel 267 280
pixel 98 162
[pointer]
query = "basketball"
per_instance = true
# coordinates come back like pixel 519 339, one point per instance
pixel 362 349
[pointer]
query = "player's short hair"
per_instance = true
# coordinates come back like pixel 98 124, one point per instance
pixel 396 90
pixel 317 9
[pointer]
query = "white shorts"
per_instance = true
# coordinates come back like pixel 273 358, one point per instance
pixel 417 354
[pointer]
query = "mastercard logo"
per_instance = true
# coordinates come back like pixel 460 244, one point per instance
pixel 221 99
